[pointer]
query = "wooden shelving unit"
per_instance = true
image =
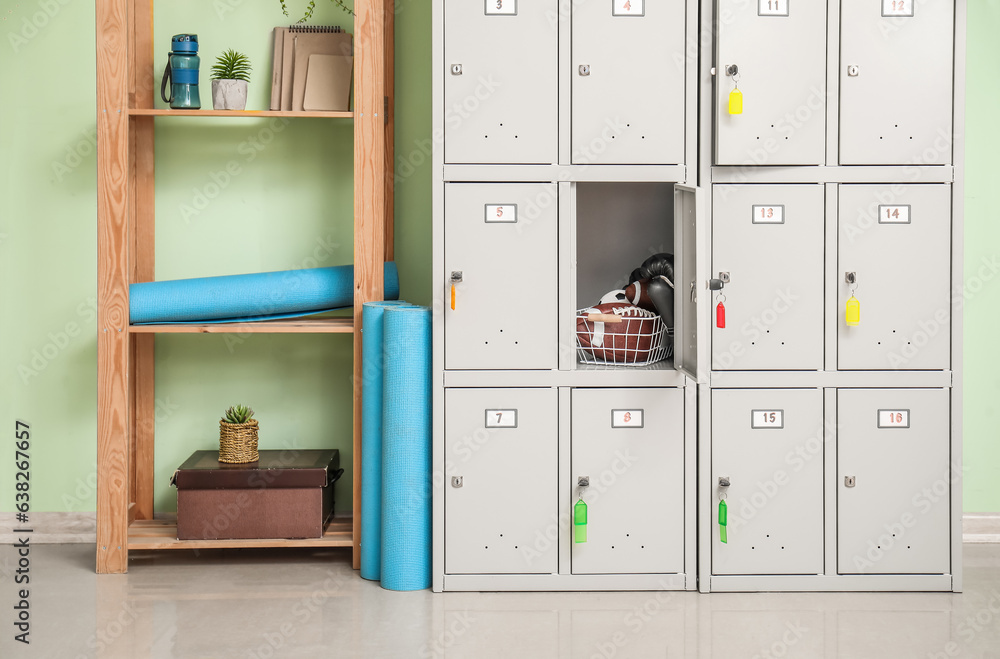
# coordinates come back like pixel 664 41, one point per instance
pixel 126 255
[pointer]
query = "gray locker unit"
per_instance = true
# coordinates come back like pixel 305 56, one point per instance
pixel 629 446
pixel 769 242
pixel 501 237
pixel 768 445
pixel 893 481
pixel 778 49
pixel 501 95
pixel 895 241
pixel 871 281
pixel 896 82
pixel 501 473
pixel 628 68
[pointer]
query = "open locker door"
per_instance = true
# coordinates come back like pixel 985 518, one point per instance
pixel 690 293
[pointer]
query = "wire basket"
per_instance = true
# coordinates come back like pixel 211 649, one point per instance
pixel 635 341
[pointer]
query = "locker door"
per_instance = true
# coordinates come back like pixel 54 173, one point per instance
pixel 630 444
pixel 502 446
pixel 893 517
pixel 779 47
pixel 769 443
pixel 628 82
pixel 769 238
pixel 691 275
pixel 896 82
pixel 501 237
pixel 896 240
pixel 501 60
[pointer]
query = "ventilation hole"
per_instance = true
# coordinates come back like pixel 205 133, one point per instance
pixel 786 138
pixel 894 535
pixel 501 535
pixel 907 546
pixel 893 331
pixel 501 124
pixel 880 343
pixel 758 137
pixel 628 125
pixel 612 546
pixel 612 137
pixel 486 137
pixel 486 342
pixel 501 331
pixel 487 546
pixel 881 138
pixel 753 548
pixel 772 125
pixel 515 137
pixel 911 137
pixel 515 546
pixel 767 536
pixel 643 137
pixel 880 546
pixel 782 343
pixel 515 342
pixel 897 125
pixel 782 547
pixel 644 546
pixel 907 343
pixel 626 535
pixel 753 343
pixel 768 331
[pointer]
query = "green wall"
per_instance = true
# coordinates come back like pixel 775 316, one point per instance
pixel 289 205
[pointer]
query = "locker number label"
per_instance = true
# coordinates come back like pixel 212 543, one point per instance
pixel 768 214
pixel 767 419
pixel 772 7
pixel 504 213
pixel 501 418
pixel 897 7
pixel 501 7
pixel 626 418
pixel 893 214
pixel 894 418
pixel 628 8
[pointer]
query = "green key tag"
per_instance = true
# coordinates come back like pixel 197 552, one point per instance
pixel 723 515
pixel 580 521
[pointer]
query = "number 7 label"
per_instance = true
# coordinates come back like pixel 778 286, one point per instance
pixel 501 418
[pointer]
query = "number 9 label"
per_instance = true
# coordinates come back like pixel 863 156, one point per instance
pixel 501 7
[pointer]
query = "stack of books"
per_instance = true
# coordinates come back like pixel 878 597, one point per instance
pixel 312 69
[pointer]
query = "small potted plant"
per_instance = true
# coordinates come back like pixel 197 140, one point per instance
pixel 230 77
pixel 238 436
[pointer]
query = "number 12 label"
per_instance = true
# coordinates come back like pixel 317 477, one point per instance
pixel 897 7
pixel 772 7
pixel 628 8
pixel 501 418
pixel 501 7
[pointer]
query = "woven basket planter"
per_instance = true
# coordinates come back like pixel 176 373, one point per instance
pixel 238 442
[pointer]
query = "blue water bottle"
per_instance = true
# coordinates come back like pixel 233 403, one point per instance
pixel 182 74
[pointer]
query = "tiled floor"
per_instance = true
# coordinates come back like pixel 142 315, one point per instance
pixel 263 604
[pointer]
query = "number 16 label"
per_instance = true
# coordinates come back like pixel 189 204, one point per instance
pixel 627 8
pixel 501 7
pixel 897 7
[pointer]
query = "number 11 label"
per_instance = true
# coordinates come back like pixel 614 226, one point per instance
pixel 628 7
pixel 501 7
pixel 897 7
pixel 772 7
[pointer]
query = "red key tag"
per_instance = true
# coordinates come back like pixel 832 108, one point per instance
pixel 720 315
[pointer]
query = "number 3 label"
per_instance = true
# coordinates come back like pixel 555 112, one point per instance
pixel 628 8
pixel 501 7
pixel 897 7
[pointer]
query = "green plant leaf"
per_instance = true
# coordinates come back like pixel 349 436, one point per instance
pixel 232 65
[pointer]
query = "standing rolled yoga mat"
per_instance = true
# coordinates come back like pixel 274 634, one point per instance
pixel 371 438
pixel 406 450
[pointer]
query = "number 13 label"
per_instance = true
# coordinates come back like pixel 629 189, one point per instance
pixel 501 418
pixel 897 7
pixel 501 7
pixel 772 7
pixel 628 8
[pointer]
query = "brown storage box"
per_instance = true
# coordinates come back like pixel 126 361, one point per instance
pixel 286 494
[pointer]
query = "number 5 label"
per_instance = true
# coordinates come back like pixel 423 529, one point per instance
pixel 628 8
pixel 897 7
pixel 501 7
pixel 501 213
pixel 501 418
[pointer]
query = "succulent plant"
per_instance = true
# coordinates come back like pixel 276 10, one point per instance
pixel 232 65
pixel 238 414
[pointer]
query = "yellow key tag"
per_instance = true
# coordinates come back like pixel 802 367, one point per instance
pixel 736 101
pixel 853 314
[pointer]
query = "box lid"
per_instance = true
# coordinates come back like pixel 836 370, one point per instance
pixel 275 469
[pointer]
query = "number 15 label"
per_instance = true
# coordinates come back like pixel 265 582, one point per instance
pixel 501 7
pixel 897 7
pixel 627 7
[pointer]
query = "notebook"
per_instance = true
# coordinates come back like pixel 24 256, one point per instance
pixel 304 46
pixel 328 83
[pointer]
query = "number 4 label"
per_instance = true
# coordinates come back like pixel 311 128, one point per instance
pixel 772 7
pixel 501 7
pixel 628 8
pixel 897 7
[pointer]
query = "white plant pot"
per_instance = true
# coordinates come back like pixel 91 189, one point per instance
pixel 229 94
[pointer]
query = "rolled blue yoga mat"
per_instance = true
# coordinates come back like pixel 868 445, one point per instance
pixel 371 437
pixel 406 449
pixel 258 296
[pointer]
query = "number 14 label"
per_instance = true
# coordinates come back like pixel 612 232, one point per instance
pixel 628 8
pixel 897 7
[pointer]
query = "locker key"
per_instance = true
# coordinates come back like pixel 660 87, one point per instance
pixel 580 521
pixel 456 278
pixel 723 522
pixel 720 313
pixel 735 96
pixel 852 313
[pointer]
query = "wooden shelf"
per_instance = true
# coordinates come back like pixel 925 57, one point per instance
pixel 167 112
pixel 295 326
pixel 162 534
